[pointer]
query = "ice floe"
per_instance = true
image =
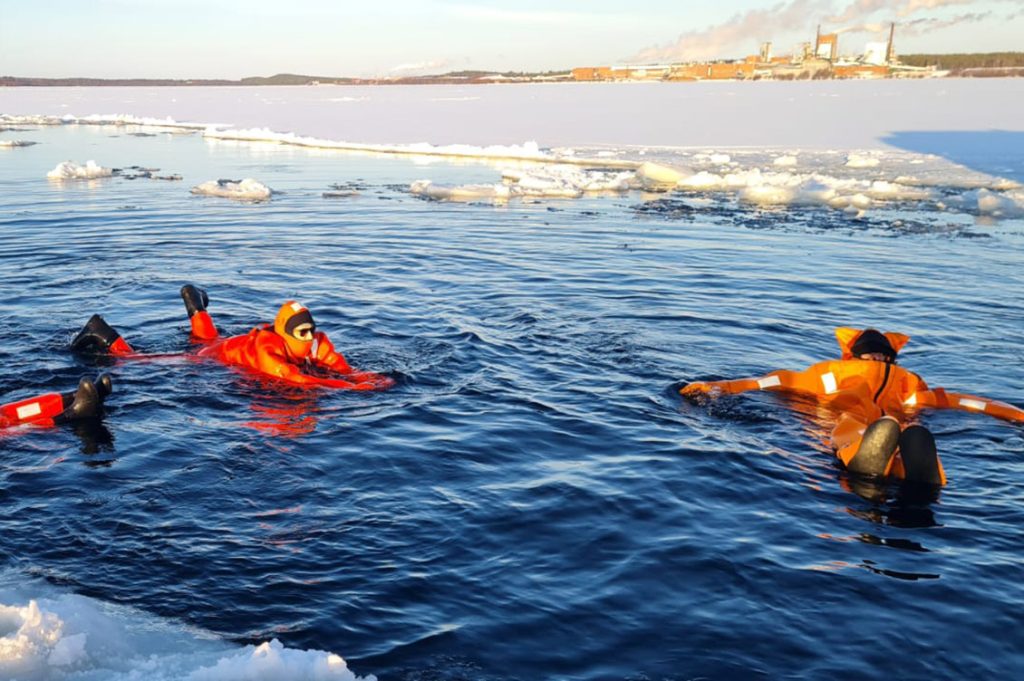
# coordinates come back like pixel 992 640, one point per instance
pixel 67 637
pixel 655 176
pixel 69 170
pixel 466 192
pixel 10 144
pixel 553 182
pixel 861 161
pixel 752 186
pixel 1000 205
pixel 246 190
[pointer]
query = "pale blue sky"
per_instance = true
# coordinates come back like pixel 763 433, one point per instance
pixel 237 38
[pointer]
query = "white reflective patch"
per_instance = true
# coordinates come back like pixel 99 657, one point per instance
pixel 829 382
pixel 911 401
pixel 977 405
pixel 29 410
pixel 768 382
pixel 297 308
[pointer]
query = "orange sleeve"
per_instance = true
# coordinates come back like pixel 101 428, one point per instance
pixel 328 357
pixel 806 381
pixel 273 360
pixel 41 408
pixel 938 398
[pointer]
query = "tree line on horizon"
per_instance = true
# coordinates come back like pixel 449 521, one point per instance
pixel 961 61
pixel 957 64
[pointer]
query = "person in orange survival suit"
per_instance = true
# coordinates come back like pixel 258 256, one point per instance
pixel 875 400
pixel 52 408
pixel 289 349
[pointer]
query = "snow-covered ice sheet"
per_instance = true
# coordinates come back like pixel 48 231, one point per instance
pixel 47 634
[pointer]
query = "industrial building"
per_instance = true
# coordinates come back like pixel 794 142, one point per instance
pixel 820 60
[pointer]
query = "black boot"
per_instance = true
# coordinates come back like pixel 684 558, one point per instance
pixel 104 386
pixel 876 447
pixel 920 458
pixel 95 335
pixel 195 299
pixel 84 403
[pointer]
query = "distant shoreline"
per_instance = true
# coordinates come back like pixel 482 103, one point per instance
pixel 1015 72
pixel 977 65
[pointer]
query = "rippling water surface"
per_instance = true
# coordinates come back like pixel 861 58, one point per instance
pixel 533 500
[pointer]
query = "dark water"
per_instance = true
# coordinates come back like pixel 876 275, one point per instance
pixel 533 500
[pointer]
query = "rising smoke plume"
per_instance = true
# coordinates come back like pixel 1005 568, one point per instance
pixel 755 26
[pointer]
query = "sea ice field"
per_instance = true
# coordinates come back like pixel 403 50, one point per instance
pixel 540 268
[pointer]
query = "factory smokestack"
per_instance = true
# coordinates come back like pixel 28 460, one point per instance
pixel 890 55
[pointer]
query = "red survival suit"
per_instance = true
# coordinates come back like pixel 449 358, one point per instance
pixel 41 410
pixel 50 408
pixel 283 349
pixel 861 391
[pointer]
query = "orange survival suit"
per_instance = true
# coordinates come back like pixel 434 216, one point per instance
pixel 284 349
pixel 861 391
pixel 52 408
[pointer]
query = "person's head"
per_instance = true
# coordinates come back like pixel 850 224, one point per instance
pixel 295 325
pixel 872 344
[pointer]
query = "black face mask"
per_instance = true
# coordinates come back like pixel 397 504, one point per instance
pixel 302 318
pixel 871 341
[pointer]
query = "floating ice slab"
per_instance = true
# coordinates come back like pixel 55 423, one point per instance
pixel 246 190
pixel 468 192
pixel 654 176
pixel 553 182
pixel 69 170
pixel 67 637
pixel 861 161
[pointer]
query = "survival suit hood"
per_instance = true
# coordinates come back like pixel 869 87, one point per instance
pixel 856 342
pixel 295 325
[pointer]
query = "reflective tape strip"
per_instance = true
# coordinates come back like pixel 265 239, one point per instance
pixel 977 405
pixel 911 401
pixel 29 410
pixel 768 382
pixel 829 382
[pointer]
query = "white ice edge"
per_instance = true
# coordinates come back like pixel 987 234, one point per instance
pixel 100 119
pixel 528 151
pixel 780 186
pixel 752 186
pixel 52 635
